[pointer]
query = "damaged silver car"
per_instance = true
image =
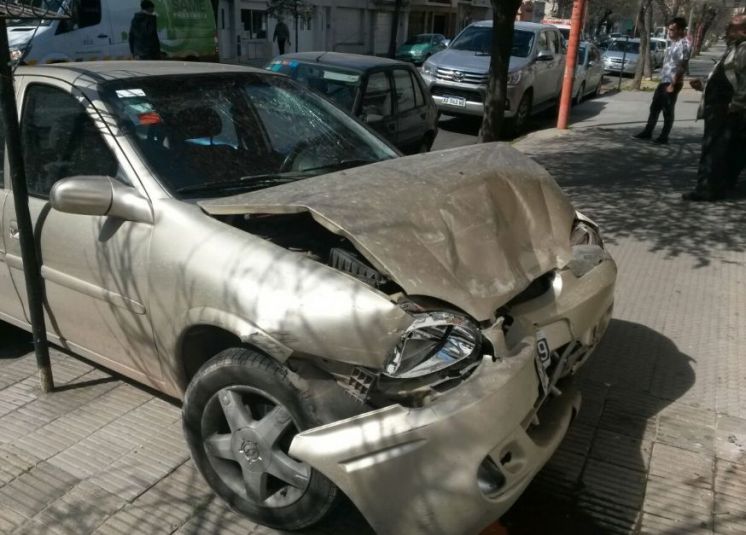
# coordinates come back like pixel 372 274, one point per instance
pixel 336 319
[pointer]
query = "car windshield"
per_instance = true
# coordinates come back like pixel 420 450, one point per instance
pixel 217 134
pixel 49 5
pixel 336 84
pixel 419 40
pixel 478 39
pixel 624 46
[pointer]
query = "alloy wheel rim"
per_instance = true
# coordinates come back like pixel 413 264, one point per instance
pixel 247 434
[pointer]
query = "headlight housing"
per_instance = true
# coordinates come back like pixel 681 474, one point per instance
pixel 428 68
pixel 434 341
pixel 584 233
pixel 514 78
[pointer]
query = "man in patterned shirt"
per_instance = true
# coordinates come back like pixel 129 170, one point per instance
pixel 672 80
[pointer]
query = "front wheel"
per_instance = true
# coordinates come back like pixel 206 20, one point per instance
pixel 240 415
pixel 523 112
pixel 579 96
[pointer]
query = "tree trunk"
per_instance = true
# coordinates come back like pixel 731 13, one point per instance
pixel 394 28
pixel 641 24
pixel 503 21
pixel 647 67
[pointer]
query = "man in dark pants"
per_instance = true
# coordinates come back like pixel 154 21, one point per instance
pixel 672 76
pixel 282 34
pixel 144 42
pixel 723 108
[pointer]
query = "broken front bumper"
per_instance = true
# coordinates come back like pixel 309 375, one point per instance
pixel 460 462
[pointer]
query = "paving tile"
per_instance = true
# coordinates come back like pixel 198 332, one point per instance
pixel 14 462
pixel 689 435
pixel 10 520
pixel 614 484
pixel 730 479
pixel 729 514
pixel 578 438
pixel 631 415
pixel 730 439
pixel 656 525
pixel 30 492
pixel 81 510
pixel 682 466
pixel 560 477
pixel 687 506
pixel 164 508
pixel 622 450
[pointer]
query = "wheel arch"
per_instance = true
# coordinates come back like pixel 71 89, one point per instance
pixel 209 331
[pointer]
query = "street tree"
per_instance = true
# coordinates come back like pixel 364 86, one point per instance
pixel 503 22
pixel 398 4
pixel 643 20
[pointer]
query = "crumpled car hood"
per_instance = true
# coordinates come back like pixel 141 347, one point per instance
pixel 472 226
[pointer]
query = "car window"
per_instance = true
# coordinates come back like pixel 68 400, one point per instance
pixel 544 41
pixel 405 99
pixel 594 54
pixel 581 56
pixel 84 13
pixel 554 42
pixel 211 134
pixel 377 97
pixel 60 140
pixel 419 98
pixel 339 85
pixel 478 39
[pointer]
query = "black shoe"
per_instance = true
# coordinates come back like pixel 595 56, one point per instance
pixel 643 135
pixel 696 196
pixel 661 141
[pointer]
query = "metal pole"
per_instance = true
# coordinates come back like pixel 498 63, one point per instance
pixel 34 288
pixel 570 62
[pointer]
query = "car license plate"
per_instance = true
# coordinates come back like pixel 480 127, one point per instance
pixel 456 101
pixel 543 360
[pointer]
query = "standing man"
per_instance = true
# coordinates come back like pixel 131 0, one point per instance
pixel 282 34
pixel 144 42
pixel 672 79
pixel 723 107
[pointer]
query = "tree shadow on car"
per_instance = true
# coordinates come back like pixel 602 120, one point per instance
pixel 598 479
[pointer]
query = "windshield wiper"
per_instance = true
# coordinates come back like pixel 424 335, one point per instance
pixel 245 183
pixel 343 164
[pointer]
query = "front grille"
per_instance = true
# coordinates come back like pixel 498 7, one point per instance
pixel 471 96
pixel 465 77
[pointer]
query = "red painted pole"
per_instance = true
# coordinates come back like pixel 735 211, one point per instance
pixel 570 61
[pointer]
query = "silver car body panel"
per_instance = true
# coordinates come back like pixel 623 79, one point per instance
pixel 383 459
pixel 473 241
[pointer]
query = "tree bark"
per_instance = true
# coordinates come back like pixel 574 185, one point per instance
pixel 394 28
pixel 644 42
pixel 503 22
pixel 647 67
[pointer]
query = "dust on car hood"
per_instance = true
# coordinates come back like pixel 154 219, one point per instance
pixel 472 226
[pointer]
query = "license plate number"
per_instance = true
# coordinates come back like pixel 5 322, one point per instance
pixel 543 360
pixel 456 101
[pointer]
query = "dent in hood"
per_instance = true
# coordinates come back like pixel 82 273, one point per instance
pixel 467 60
pixel 471 226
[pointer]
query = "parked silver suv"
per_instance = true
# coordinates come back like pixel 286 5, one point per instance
pixel 458 76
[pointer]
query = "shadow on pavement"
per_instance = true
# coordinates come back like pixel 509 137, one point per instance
pixel 14 342
pixel 633 189
pixel 596 481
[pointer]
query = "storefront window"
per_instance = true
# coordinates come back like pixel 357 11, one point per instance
pixel 254 23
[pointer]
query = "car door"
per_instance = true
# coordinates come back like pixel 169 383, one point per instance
pixel 410 110
pixel 595 68
pixel 377 105
pixel 10 301
pixel 94 268
pixel 545 76
pixel 87 34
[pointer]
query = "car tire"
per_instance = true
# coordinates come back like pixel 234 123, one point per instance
pixel 579 96
pixel 425 144
pixel 597 91
pixel 522 114
pixel 240 414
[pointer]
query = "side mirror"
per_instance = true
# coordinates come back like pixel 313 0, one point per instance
pixel 446 42
pixel 544 55
pixel 102 196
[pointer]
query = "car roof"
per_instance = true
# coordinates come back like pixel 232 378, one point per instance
pixel 100 71
pixel 519 25
pixel 357 62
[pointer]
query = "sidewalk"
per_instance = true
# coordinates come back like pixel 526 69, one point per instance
pixel 659 445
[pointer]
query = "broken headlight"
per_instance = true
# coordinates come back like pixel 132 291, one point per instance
pixel 584 233
pixel 433 342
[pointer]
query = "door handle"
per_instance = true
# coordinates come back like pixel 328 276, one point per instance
pixel 103 36
pixel 13 232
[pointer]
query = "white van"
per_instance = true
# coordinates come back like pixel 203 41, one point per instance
pixel 99 30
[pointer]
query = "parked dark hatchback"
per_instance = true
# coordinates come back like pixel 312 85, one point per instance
pixel 387 95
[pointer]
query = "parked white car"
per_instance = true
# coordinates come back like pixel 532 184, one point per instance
pixel 589 72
